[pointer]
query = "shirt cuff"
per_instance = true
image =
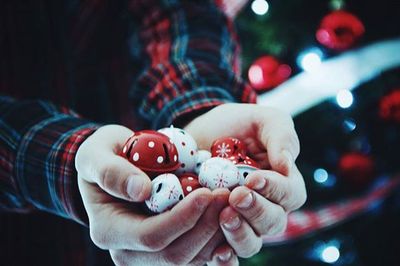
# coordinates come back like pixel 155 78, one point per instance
pixel 45 165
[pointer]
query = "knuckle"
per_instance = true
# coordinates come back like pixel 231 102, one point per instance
pixel 150 242
pixel 176 257
pixel 253 249
pixel 98 237
pixel 277 223
pixel 118 258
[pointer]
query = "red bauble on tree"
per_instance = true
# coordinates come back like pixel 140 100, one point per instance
pixel 357 169
pixel 267 72
pixel 340 30
pixel 389 106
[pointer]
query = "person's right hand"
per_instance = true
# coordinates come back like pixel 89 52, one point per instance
pixel 110 185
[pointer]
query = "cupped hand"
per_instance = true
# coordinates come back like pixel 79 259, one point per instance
pixel 261 206
pixel 111 189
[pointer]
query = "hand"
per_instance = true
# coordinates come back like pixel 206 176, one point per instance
pixel 261 206
pixel 110 187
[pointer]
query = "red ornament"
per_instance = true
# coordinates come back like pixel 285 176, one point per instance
pixel 240 159
pixel 267 72
pixel 189 183
pixel 389 106
pixel 340 30
pixel 152 152
pixel 226 147
pixel 357 169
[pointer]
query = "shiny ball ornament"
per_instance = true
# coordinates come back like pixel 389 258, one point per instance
pixel 389 106
pixel 245 165
pixel 218 172
pixel 165 193
pixel 186 146
pixel 227 147
pixel 152 152
pixel 202 156
pixel 356 169
pixel 189 183
pixel 340 30
pixel 267 73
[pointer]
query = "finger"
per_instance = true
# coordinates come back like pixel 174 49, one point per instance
pixel 265 217
pixel 224 256
pixel 239 234
pixel 289 192
pixel 119 178
pixel 129 230
pixel 206 254
pixel 96 161
pixel 187 247
pixel 279 138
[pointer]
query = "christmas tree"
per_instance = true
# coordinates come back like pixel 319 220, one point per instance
pixel 335 66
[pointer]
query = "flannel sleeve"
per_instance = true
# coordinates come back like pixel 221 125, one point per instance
pixel 38 143
pixel 192 60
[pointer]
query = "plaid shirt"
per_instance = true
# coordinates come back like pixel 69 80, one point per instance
pixel 175 60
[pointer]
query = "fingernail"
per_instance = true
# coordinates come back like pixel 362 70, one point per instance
pixel 225 256
pixel 246 201
pixel 260 184
pixel 288 159
pixel 232 224
pixel 134 187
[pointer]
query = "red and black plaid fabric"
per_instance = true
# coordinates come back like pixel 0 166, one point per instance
pixel 138 63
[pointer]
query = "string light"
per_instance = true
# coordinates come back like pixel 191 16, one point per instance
pixel 330 254
pixel 310 60
pixel 260 7
pixel 344 98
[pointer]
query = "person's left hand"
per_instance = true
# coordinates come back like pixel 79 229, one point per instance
pixel 261 206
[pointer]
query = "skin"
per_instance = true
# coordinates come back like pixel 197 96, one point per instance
pixel 205 227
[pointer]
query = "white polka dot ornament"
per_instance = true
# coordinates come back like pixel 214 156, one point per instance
pixel 218 172
pixel 152 152
pixel 166 192
pixel 202 156
pixel 186 146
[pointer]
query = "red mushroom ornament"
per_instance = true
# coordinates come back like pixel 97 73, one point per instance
pixel 227 147
pixel 189 183
pixel 152 152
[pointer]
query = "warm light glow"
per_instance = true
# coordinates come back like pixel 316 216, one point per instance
pixel 344 98
pixel 260 7
pixel 330 254
pixel 310 61
pixel 256 74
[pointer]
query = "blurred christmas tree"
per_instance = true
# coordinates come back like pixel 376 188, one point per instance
pixel 349 143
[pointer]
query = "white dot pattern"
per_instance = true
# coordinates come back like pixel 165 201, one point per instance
pixel 136 157
pixel 151 144
pixel 175 158
pixel 189 189
pixel 160 159
pixel 124 150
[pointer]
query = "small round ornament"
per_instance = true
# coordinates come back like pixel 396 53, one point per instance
pixel 186 146
pixel 340 30
pixel 357 169
pixel 202 156
pixel 389 106
pixel 245 165
pixel 218 172
pixel 226 147
pixel 267 72
pixel 165 193
pixel 152 152
pixel 189 182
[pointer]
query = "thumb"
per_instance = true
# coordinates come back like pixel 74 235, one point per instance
pixel 97 162
pixel 121 179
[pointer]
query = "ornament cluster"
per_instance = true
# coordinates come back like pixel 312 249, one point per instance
pixel 170 156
